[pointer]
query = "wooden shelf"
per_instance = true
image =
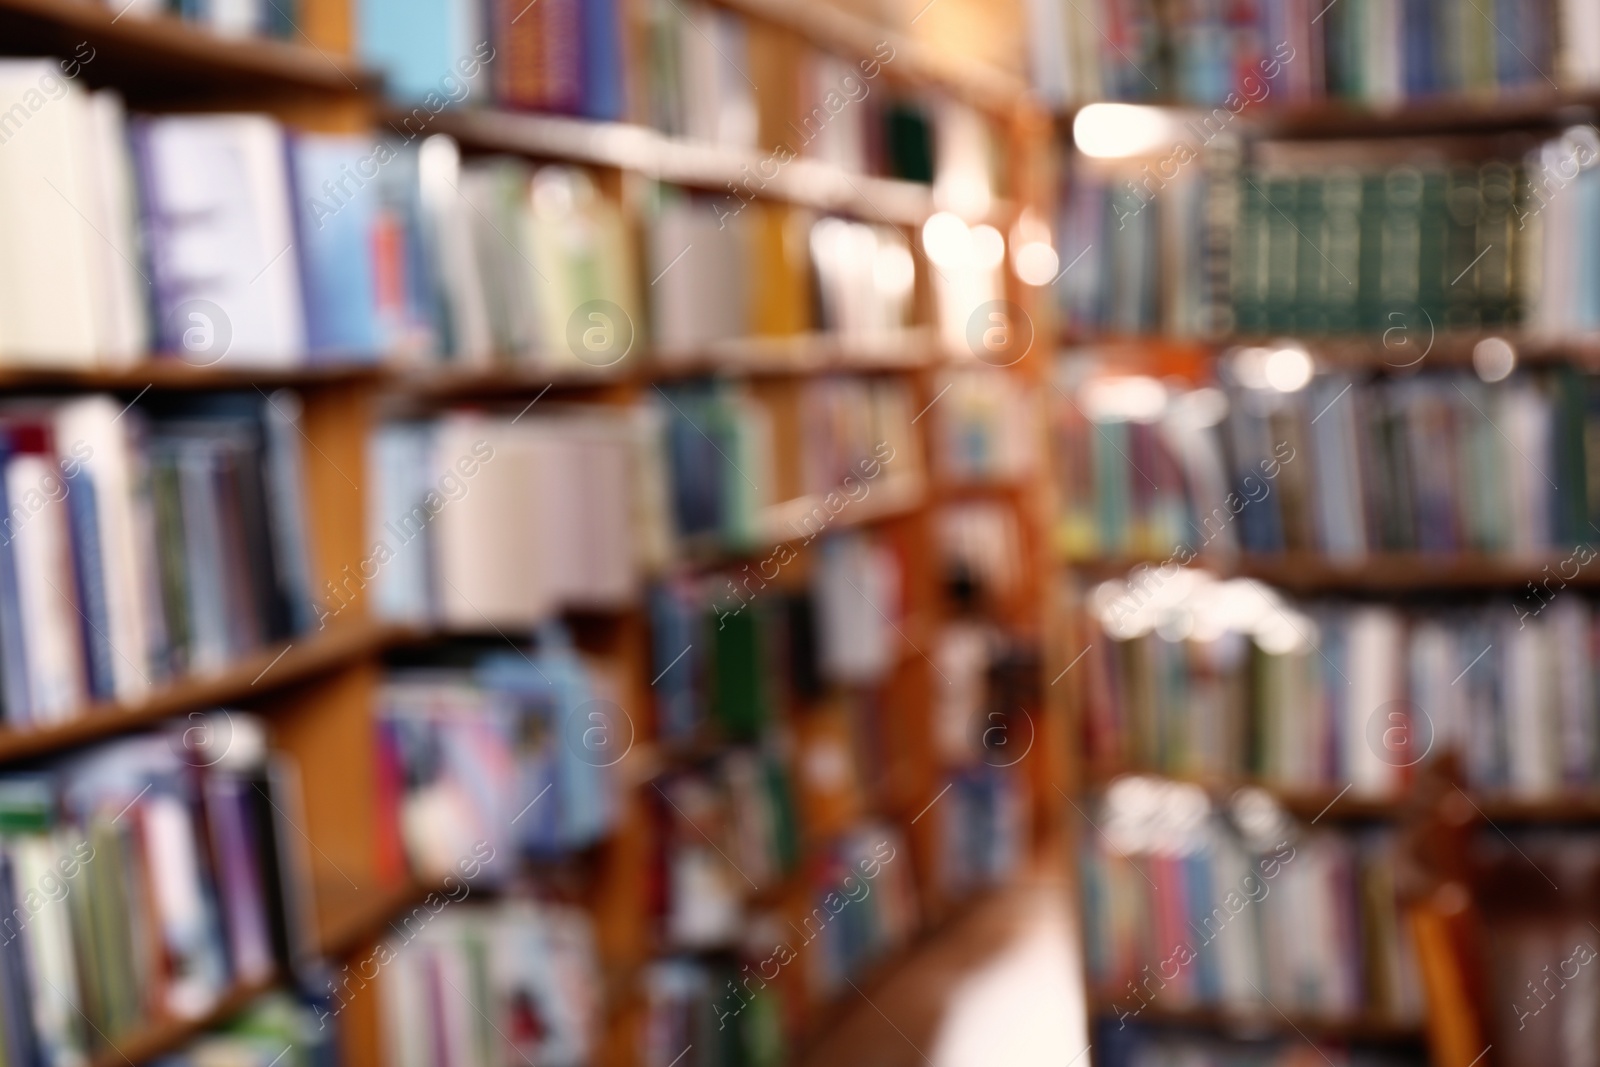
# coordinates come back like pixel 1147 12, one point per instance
pixel 1532 110
pixel 1310 573
pixel 1335 803
pixel 1266 1022
pixel 1362 351
pixel 780 520
pixel 164 58
pixel 174 374
pixel 263 672
pixel 643 150
pixel 159 1038
pixel 833 29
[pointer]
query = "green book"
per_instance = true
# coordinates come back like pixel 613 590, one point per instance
pixel 1341 205
pixel 1283 253
pixel 1249 258
pixel 1314 277
pixel 1432 239
pixel 1370 310
pixel 1463 202
pixel 1400 251
pixel 739 696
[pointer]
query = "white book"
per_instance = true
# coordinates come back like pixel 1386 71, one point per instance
pixel 48 257
pixel 122 287
pixel 448 216
pixel 491 555
pixel 1376 689
pixel 699 277
pixel 222 231
pixel 96 428
pixel 47 594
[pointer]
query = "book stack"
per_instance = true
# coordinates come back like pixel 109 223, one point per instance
pixel 1441 463
pixel 1463 266
pixel 145 542
pixel 477 520
pixel 864 905
pixel 530 266
pixel 1140 259
pixel 1281 52
pixel 142 880
pixel 725 833
pixel 985 429
pixel 474 984
pixel 1188 908
pixel 222 240
pixel 228 18
pixel 1318 246
pixel 693 71
pixel 1227 680
pixel 983 827
pixel 512 757
pixel 716 1011
pixel 861 453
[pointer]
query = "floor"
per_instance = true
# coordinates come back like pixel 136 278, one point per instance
pixel 1001 986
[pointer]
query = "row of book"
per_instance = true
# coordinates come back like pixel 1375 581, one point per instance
pixel 984 826
pixel 984 426
pixel 231 240
pixel 738 1009
pixel 1319 247
pixel 1439 462
pixel 142 880
pixel 1280 52
pixel 482 985
pixel 1185 908
pixel 210 237
pixel 478 520
pixel 691 70
pixel 731 651
pixel 227 18
pixel 1201 677
pixel 862 453
pixel 143 542
pixel 514 753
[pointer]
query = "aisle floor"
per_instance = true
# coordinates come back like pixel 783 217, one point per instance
pixel 1001 987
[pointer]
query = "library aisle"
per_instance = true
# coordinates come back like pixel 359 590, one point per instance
pixel 799 533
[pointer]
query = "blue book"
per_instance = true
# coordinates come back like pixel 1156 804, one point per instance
pixel 604 96
pixel 94 615
pixel 418 44
pixel 13 653
pixel 335 216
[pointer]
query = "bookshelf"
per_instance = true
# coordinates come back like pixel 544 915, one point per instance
pixel 1296 125
pixel 320 693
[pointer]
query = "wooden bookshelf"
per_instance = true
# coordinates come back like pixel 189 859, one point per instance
pixel 1416 348
pixel 174 374
pixel 642 150
pixel 1499 111
pixel 253 678
pixel 171 1034
pixel 163 57
pixel 1313 574
pixel 317 693
pixel 1264 1023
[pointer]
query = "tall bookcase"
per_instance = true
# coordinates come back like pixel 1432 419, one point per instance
pixel 1495 126
pixel 318 693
